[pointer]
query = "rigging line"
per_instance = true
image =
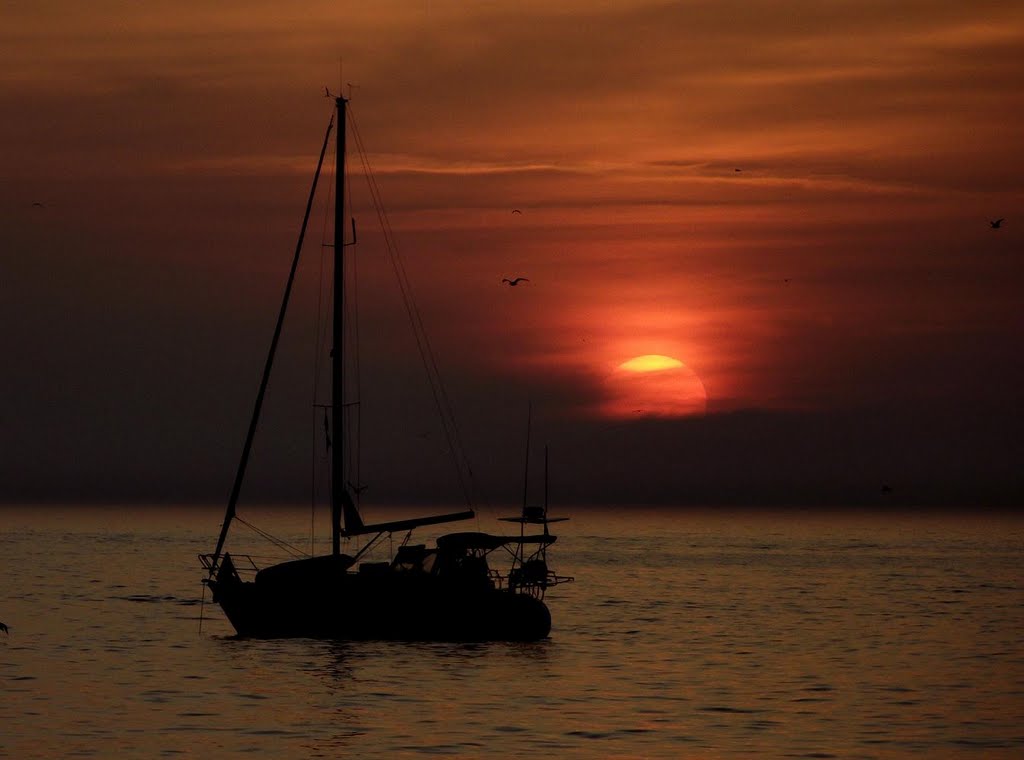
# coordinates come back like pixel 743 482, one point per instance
pixel 388 239
pixel 312 486
pixel 280 543
pixel 351 409
pixel 417 329
pixel 236 488
pixel 312 493
pixel 432 370
pixel 445 407
pixel 427 355
pixel 349 301
pixel 321 323
pixel 354 322
pixel 319 345
pixel 325 348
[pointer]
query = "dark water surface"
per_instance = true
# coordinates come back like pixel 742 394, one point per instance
pixel 687 635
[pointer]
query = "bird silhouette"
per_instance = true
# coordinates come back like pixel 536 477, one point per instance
pixel 516 211
pixel 886 489
pixel 37 204
pixel 4 629
pixel 515 281
pixel 996 224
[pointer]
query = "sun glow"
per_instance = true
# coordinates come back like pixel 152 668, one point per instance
pixel 650 363
pixel 653 385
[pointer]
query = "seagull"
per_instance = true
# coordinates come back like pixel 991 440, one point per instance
pixel 515 281
pixel 4 629
pixel 516 211
pixel 996 224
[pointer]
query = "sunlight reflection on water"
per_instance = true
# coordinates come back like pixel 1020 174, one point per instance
pixel 687 634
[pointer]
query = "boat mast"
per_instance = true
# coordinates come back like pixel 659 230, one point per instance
pixel 338 492
pixel 345 518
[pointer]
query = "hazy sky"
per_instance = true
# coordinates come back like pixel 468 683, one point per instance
pixel 790 198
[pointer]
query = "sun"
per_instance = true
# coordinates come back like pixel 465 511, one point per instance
pixel 653 385
pixel 650 363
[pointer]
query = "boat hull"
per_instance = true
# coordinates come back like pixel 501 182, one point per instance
pixel 391 607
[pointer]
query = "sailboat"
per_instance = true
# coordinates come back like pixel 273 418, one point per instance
pixel 445 592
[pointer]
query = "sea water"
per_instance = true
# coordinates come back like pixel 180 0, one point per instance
pixel 687 634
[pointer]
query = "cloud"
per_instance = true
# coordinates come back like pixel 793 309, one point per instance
pixel 848 266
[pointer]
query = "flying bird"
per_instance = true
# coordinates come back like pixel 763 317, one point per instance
pixel 37 204
pixel 996 224
pixel 515 281
pixel 516 211
pixel 886 489
pixel 4 629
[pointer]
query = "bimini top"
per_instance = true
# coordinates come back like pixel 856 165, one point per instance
pixel 473 540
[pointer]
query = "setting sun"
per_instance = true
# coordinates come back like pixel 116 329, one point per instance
pixel 654 385
pixel 650 363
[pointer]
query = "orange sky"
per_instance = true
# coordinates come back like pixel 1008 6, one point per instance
pixel 849 265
